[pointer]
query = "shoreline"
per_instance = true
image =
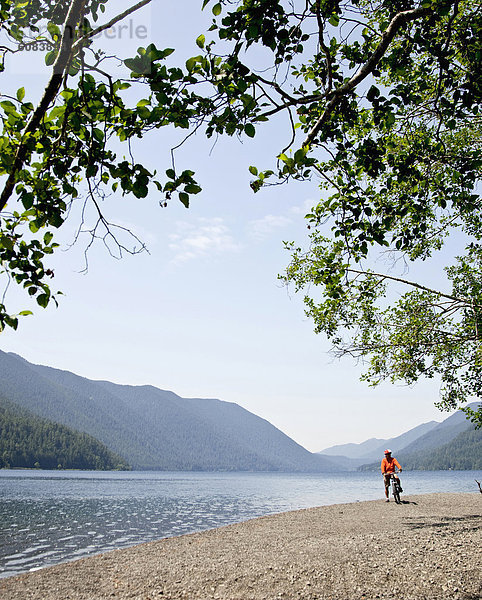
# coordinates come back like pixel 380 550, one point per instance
pixel 428 547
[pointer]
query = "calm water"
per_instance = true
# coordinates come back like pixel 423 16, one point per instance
pixel 47 517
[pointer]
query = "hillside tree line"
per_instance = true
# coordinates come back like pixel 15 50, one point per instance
pixel 27 441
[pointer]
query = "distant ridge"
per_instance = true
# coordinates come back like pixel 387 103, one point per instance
pixel 451 444
pixel 373 448
pixel 443 433
pixel 354 450
pixel 156 429
pixel 461 453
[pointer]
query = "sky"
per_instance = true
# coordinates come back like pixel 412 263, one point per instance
pixel 203 314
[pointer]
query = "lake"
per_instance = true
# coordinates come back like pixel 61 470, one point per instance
pixel 47 517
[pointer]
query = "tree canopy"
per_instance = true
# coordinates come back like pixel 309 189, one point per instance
pixel 382 105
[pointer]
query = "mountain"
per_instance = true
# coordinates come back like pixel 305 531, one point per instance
pixel 373 448
pixel 27 441
pixel 454 434
pixel 463 452
pixel 156 429
pixel 354 450
pixel 431 445
pixel 443 433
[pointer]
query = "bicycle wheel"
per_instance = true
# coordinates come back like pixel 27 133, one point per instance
pixel 395 492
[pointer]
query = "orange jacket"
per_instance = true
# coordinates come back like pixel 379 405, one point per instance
pixel 388 466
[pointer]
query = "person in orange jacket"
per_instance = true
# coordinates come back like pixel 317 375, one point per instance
pixel 388 467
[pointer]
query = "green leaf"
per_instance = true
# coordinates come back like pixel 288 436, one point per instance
pixel 53 30
pixel 373 93
pixel 193 188
pixel 184 198
pixel 250 130
pixel 167 52
pixel 43 300
pixel 132 64
pixel 10 321
pixel 334 20
pixel 253 171
pixel 6 242
pixel 300 155
pixel 7 106
pixel 50 58
pixel 191 63
pixel 217 9
pixel 98 134
pixel 201 40
pixel 20 94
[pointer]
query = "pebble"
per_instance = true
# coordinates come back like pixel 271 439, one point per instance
pixel 344 552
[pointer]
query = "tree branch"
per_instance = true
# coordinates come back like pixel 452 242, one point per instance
pixel 112 22
pixel 74 15
pixel 413 284
pixel 66 51
pixel 321 42
pixel 390 32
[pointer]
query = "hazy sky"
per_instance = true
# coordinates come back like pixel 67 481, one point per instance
pixel 203 313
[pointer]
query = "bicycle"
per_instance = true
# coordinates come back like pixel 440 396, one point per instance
pixel 396 487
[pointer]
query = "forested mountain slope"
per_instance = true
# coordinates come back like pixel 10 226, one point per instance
pixel 463 452
pixel 443 433
pixel 27 441
pixel 452 444
pixel 156 429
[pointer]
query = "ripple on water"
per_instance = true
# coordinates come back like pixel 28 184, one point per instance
pixel 57 520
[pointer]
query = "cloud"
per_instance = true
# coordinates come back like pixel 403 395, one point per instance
pixel 304 208
pixel 262 228
pixel 206 237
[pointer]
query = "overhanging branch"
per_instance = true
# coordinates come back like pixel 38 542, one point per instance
pixel 67 50
pixel 111 23
pixel 336 95
pixel 383 276
pixel 74 15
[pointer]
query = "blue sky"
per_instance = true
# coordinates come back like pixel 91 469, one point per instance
pixel 203 313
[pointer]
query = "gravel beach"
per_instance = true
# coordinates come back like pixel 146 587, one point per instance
pixel 429 547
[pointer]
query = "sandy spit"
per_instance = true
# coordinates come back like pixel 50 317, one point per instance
pixel 430 547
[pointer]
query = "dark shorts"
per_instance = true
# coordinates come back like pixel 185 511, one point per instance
pixel 387 478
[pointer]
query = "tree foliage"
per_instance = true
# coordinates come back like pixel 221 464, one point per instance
pixel 382 104
pixel 401 173
pixel 62 150
pixel 27 441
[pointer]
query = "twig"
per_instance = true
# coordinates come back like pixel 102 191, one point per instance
pixel 390 32
pixel 413 284
pixel 112 22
